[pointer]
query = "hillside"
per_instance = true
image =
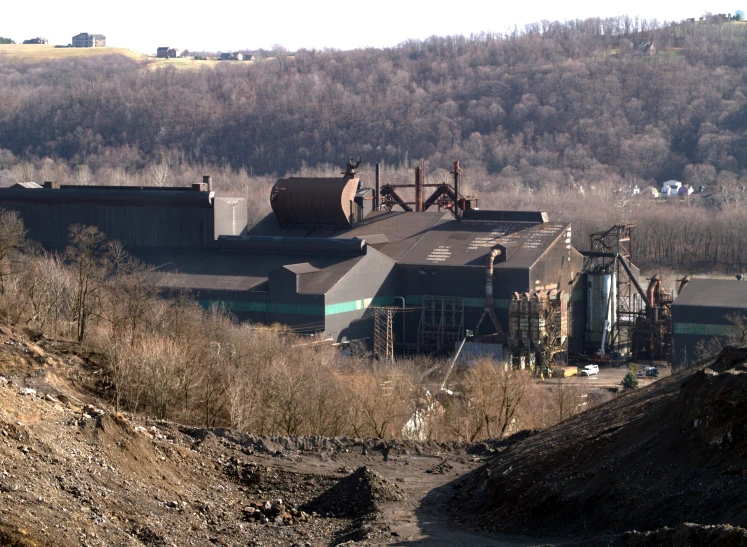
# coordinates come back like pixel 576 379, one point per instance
pixel 46 52
pixel 552 106
pixel 670 453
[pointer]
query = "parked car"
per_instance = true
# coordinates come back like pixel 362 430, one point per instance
pixel 588 370
pixel 652 371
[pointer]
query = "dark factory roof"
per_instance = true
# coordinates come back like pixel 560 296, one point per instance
pixel 714 293
pixel 143 196
pixel 215 269
pixel 395 232
pixel 436 238
pixel 466 243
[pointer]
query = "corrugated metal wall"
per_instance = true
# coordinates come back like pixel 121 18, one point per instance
pixel 133 226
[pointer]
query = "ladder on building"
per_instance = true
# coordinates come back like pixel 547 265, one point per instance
pixel 383 337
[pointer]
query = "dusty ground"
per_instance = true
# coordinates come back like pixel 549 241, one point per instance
pixel 74 473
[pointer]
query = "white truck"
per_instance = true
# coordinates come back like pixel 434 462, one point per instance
pixel 588 370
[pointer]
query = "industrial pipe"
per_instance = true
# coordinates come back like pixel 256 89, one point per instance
pixel 419 188
pixel 653 286
pixel 377 197
pixel 632 277
pixel 683 283
pixel 457 182
pixel 489 305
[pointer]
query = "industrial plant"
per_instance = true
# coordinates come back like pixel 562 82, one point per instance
pixel 352 262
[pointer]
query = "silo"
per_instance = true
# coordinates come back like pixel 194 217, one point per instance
pixel 601 306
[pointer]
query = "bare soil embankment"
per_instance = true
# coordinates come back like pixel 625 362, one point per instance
pixel 672 453
pixel 72 472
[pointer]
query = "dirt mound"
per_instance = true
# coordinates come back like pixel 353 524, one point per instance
pixel 670 453
pixel 694 535
pixel 357 495
pixel 713 405
pixel 686 534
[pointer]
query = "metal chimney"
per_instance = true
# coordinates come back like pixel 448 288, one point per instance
pixel 208 181
pixel 377 201
pixel 419 188
pixel 457 182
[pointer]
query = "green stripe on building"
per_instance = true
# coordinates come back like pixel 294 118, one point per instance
pixel 299 309
pixel 705 330
pixel 356 305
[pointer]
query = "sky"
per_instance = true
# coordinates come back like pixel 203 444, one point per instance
pixel 228 25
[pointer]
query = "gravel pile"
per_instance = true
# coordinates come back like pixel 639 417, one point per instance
pixel 356 496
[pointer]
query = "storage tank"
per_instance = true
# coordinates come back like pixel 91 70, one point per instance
pixel 601 305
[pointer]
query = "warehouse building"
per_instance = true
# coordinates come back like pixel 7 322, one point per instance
pixel 326 257
pixel 708 313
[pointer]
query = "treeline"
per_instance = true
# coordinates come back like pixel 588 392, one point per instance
pixel 569 103
pixel 701 233
pixel 171 359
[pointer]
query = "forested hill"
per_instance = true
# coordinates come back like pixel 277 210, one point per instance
pixel 551 104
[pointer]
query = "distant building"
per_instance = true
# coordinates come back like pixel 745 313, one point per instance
pixel 671 188
pixel 705 312
pixel 231 56
pixel 168 53
pixel 38 40
pixel 89 40
pixel 685 190
pixel 650 192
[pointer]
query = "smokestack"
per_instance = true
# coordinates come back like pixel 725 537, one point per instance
pixel 207 180
pixel 683 283
pixel 377 201
pixel 457 181
pixel 419 188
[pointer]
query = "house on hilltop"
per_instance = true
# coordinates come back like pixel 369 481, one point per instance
pixel 168 53
pixel 89 40
pixel 36 41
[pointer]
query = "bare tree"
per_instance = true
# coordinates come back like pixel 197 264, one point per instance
pixel 87 256
pixel 495 392
pixel 83 175
pixel 12 238
pixel 158 173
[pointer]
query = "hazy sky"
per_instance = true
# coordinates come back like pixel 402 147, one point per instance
pixel 228 25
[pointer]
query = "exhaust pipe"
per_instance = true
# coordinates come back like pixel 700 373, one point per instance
pixel 489 305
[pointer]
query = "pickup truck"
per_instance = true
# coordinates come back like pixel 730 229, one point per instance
pixel 588 370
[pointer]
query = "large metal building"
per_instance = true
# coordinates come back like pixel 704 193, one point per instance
pixel 707 310
pixel 326 258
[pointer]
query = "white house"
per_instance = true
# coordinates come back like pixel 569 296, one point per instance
pixel 670 188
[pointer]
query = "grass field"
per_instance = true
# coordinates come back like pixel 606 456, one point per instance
pixel 40 52
pixel 33 53
pixel 186 63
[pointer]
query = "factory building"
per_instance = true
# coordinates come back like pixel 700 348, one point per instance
pixel 329 256
pixel 707 311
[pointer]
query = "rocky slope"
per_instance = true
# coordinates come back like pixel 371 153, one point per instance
pixel 673 452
